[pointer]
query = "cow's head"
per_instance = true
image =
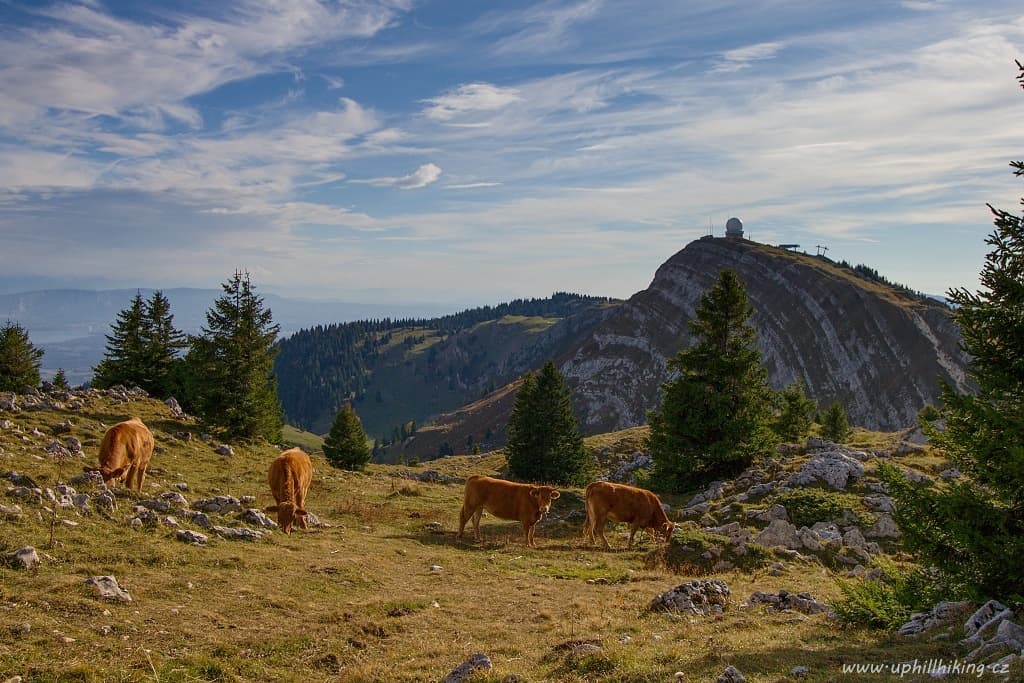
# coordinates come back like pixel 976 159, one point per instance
pixel 287 513
pixel 543 495
pixel 666 530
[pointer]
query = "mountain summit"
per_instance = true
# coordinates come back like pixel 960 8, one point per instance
pixel 875 347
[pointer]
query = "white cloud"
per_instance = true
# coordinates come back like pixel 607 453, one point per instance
pixel 469 99
pixel 743 57
pixel 421 177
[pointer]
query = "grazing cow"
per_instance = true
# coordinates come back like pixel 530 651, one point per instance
pixel 125 453
pixel 637 507
pixel 507 500
pixel 289 476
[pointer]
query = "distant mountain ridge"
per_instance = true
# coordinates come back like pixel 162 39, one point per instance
pixel 70 324
pixel 876 347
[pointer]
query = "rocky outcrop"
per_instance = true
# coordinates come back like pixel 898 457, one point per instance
pixel 863 343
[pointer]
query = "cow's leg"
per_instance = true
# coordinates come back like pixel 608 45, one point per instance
pixel 464 515
pixel 476 523
pixel 632 533
pixel 130 475
pixel 588 527
pixel 529 534
pixel 599 523
pixel 140 476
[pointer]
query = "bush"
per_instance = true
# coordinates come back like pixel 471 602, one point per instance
pixel 887 604
pixel 811 505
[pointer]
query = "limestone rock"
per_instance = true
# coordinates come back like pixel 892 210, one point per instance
pixel 475 663
pixel 834 468
pixel 700 597
pixel 106 587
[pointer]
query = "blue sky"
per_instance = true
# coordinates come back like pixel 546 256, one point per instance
pixel 470 152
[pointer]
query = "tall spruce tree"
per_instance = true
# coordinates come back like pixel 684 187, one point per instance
pixel 142 348
pixel 125 359
pixel 162 345
pixel 235 388
pixel 19 359
pixel 715 416
pixel 973 529
pixel 544 443
pixel 345 446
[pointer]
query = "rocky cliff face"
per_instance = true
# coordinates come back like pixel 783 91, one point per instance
pixel 860 342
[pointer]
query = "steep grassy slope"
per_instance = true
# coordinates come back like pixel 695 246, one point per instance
pixel 383 591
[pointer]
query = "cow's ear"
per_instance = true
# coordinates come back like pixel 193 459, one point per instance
pixel 270 508
pixel 108 474
pixel 555 494
pixel 301 513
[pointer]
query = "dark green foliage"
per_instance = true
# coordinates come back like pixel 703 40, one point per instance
pixel 796 413
pixel 887 604
pixel 714 419
pixel 329 365
pixel 974 528
pixel 142 348
pixel 544 444
pixel 60 379
pixel 345 446
pixel 834 425
pixel 229 375
pixel 124 360
pixel 19 359
pixel 806 506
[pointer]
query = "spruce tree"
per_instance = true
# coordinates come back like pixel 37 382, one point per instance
pixel 142 348
pixel 834 424
pixel 796 413
pixel 715 416
pixel 235 388
pixel 124 362
pixel 60 379
pixel 973 529
pixel 19 359
pixel 345 446
pixel 544 443
pixel 162 346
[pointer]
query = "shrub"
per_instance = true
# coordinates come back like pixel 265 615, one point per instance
pixel 810 505
pixel 887 604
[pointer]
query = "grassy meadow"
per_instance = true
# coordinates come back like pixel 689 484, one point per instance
pixel 383 591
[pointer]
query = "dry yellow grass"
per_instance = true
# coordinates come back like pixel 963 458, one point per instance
pixel 358 600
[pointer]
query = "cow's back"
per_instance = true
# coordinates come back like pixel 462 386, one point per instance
pixel 292 468
pixel 126 442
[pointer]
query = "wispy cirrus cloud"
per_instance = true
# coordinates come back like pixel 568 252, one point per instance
pixel 426 174
pixel 744 57
pixel 469 99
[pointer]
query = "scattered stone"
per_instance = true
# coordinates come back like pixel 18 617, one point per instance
pixel 779 532
pixel 174 407
pixel 943 613
pixel 983 616
pixel 192 537
pixel 700 597
pixel 174 498
pixel 834 468
pixel 256 518
pixel 10 512
pixel 106 587
pixel 885 527
pixel 24 558
pixel 181 485
pixel 476 663
pixel 784 600
pixel 224 449
pixel 74 446
pixel 731 675
pixel 183 436
pixel 799 672
pixel 238 533
pixel 64 427
pixel 220 504
pixel 436 568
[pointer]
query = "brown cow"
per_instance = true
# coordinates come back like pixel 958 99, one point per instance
pixel 638 507
pixel 289 476
pixel 125 453
pixel 507 500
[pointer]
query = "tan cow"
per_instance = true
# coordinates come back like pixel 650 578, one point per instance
pixel 507 500
pixel 125 453
pixel 637 507
pixel 289 476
